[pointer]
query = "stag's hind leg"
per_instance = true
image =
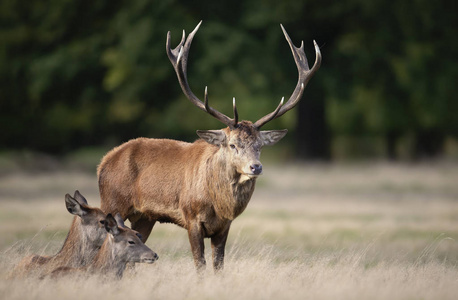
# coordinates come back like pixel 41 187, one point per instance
pixel 143 225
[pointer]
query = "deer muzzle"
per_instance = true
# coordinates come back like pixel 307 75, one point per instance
pixel 149 258
pixel 256 169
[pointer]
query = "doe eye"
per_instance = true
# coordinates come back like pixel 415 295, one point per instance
pixel 102 222
pixel 131 242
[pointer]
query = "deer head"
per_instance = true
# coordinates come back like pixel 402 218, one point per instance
pixel 126 243
pixel 92 219
pixel 242 141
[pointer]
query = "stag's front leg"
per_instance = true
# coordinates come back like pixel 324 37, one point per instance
pixel 218 245
pixel 196 238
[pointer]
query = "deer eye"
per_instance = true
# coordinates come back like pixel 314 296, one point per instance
pixel 102 222
pixel 132 242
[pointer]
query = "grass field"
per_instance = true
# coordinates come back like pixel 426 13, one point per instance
pixel 366 231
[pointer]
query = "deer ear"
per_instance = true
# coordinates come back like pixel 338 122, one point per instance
pixel 271 137
pixel 80 198
pixel 119 220
pixel 111 225
pixel 214 137
pixel 73 206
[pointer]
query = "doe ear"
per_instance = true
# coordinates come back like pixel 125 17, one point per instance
pixel 271 137
pixel 214 137
pixel 73 206
pixel 80 198
pixel 119 220
pixel 111 225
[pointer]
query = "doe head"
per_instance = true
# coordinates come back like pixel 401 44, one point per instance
pixel 92 218
pixel 127 244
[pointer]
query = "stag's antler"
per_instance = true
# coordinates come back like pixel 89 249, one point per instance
pixel 179 59
pixel 305 73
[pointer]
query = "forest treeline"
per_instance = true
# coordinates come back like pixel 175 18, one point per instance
pixel 90 73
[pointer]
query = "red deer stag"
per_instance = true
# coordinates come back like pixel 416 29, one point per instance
pixel 84 239
pixel 122 245
pixel 200 186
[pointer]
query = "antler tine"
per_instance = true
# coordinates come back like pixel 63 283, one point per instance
pixel 212 111
pixel 236 114
pixel 273 114
pixel 179 59
pixel 305 74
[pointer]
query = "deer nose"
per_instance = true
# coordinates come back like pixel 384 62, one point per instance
pixel 256 169
pixel 150 258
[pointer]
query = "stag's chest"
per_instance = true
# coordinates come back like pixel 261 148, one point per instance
pixel 230 201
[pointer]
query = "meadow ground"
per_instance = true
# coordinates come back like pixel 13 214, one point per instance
pixel 311 231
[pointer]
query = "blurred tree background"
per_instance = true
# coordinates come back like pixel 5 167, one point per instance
pixel 77 74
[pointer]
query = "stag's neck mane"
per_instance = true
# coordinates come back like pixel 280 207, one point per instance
pixel 229 191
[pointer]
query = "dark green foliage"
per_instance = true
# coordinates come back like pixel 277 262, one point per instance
pixel 79 73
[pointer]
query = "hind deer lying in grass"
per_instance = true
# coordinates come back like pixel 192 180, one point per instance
pixel 201 186
pixel 84 239
pixel 122 245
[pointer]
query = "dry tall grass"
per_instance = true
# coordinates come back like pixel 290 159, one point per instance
pixel 310 232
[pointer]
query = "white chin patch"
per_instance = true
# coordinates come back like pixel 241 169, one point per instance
pixel 245 177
